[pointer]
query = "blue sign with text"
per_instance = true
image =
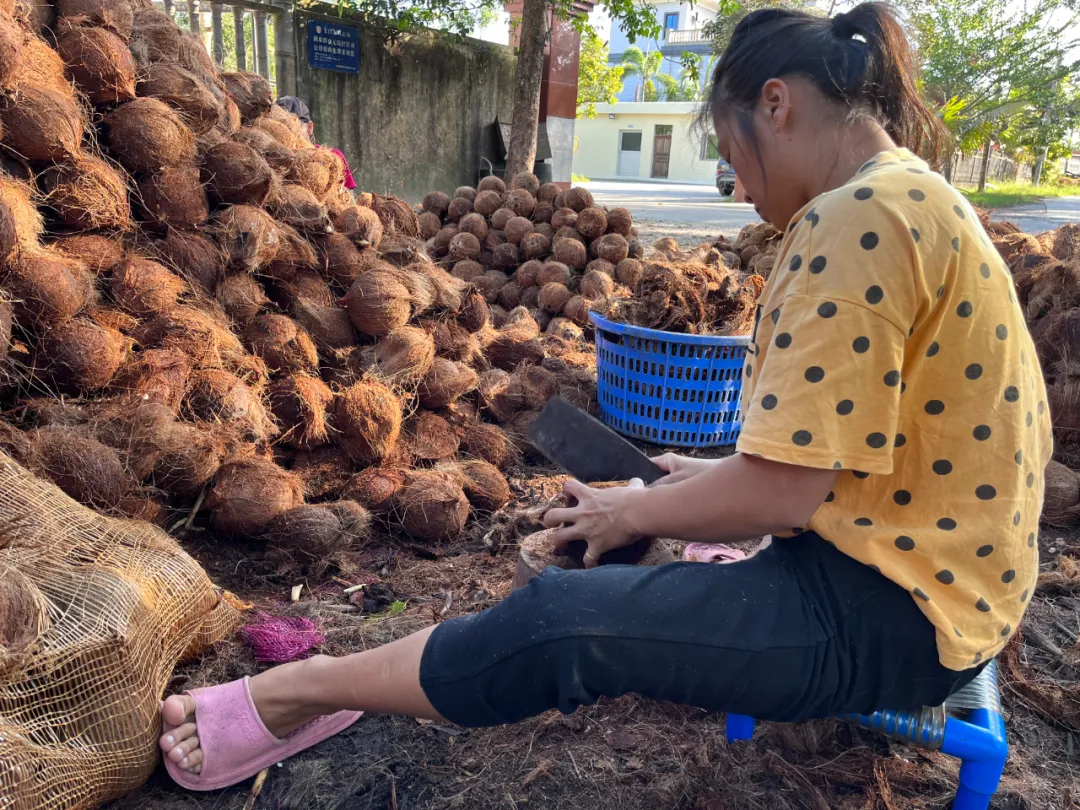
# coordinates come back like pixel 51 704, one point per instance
pixel 332 46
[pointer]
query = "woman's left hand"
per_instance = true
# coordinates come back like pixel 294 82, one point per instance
pixel 599 518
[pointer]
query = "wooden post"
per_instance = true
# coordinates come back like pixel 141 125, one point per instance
pixel 262 55
pixel 193 16
pixel 984 169
pixel 285 79
pixel 241 42
pixel 218 34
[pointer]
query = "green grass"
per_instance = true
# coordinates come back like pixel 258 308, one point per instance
pixel 578 178
pixel 1003 195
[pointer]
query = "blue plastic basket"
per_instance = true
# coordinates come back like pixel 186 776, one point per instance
pixel 663 388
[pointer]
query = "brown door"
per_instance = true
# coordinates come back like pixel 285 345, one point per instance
pixel 661 150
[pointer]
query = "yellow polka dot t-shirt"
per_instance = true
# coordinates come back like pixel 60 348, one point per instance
pixel 890 346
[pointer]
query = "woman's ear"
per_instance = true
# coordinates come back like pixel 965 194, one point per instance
pixel 776 103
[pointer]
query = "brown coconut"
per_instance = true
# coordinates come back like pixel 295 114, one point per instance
pixel 474 314
pixel 329 327
pixel 444 383
pixel 281 133
pixel 84 468
pixel 379 301
pixel 81 357
pixel 430 225
pixel 501 396
pixel 241 297
pixel 199 260
pixel 431 505
pixel 571 253
pixel 305 284
pixel 46 287
pixel 1061 502
pixel 145 288
pixel 116 16
pixel 235 174
pixel 249 494
pixel 34 63
pixel 543 213
pixel 154 375
pixel 436 202
pixel 464 193
pixel 530 297
pixel 535 246
pixel 449 290
pixel 521 202
pixel 184 92
pixel 12 37
pixel 405 356
pixel 316 531
pixel 527 181
pixel 553 272
pixel 612 248
pixel 174 197
pixel 501 217
pixel 474 224
pixel 251 92
pixel 200 334
pixel 527 274
pixel 484 485
pixel 99 62
pixel 42 124
pixel 520 316
pixel 488 443
pixel 440 245
pixel 490 283
pixel 21 223
pixel 218 396
pixel 620 221
pixel 429 437
pixel 565 329
pixel 459 208
pixel 467 270
pixel 375 487
pixel 592 223
pixel 597 284
pixel 491 183
pixel 464 246
pixel 324 470
pixel 577 310
pixel 514 345
pixel 319 171
pixel 282 344
pixel 452 340
pixel 298 402
pixel 146 135
pixel 273 151
pixel 564 218
pixel 99 254
pixel 487 202
pixel 87 194
pixel 553 298
pixel 249 237
pixel 601 266
pixel 367 417
pixel 506 257
pixel 186 459
pixel 510 295
pixel 340 261
pixel 578 199
pixel 547 193
pixel 628 272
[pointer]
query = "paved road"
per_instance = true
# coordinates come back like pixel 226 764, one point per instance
pixel 691 214
pixel 1041 216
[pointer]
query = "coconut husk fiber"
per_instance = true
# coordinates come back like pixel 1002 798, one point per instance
pixel 251 92
pixel 484 485
pixel 195 257
pixel 84 468
pixel 12 37
pixel 282 344
pixel 452 340
pixel 248 494
pixel 117 16
pixel 1061 502
pixel 235 174
pixel 295 256
pixel 329 327
pixel 305 285
pixel 41 124
pixel 155 38
pixel 242 298
pixel 397 216
pixel 314 532
pixel 474 313
pixel 184 92
pixel 378 301
pixel 249 237
pixel 174 198
pixel 488 443
pixel 37 65
pixel 318 170
pixel 98 253
pixel 216 396
pixel 297 207
pixel 100 63
pixel 298 403
pixel 501 396
pixel 431 505
pixel 281 133
pixel 375 487
pixel 429 437
pixel 154 375
pixel 186 458
pixel 87 194
pixel 367 417
pixel 146 135
pixel 430 225
pixel 198 333
pixel 324 470
pixel 80 357
pixel 21 220
pixel 275 153
pixel 404 357
pixel 1052 286
pixel 361 225
pixel 145 288
pixel 47 288
pixel 445 382
pixel 514 345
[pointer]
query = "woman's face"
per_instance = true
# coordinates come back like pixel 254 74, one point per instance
pixel 770 156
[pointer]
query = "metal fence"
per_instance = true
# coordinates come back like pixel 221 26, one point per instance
pixel 966 169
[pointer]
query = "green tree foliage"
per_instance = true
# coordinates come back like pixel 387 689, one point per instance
pixel 655 84
pixel 598 82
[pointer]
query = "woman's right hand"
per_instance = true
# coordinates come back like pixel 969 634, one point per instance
pixel 679 468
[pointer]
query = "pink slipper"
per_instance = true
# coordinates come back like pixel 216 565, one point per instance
pixel 235 743
pixel 712 553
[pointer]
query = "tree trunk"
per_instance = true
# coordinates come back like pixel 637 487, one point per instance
pixel 218 34
pixel 985 168
pixel 241 42
pixel 1040 162
pixel 947 168
pixel 527 80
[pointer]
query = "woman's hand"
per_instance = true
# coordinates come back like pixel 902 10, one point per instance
pixel 679 468
pixel 598 518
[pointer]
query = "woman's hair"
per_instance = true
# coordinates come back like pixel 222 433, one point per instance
pixel 861 60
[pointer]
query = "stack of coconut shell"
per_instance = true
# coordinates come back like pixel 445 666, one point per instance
pixel 1046 269
pixel 198 321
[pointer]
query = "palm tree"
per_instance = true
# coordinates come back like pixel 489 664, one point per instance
pixel 647 65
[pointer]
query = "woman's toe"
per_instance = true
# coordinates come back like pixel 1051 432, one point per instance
pixel 193 761
pixel 178 710
pixel 173 737
pixel 184 749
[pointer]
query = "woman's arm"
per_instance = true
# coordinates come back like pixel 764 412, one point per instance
pixel 736 498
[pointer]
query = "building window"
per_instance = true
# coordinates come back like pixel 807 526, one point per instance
pixel 665 129
pixel 671 21
pixel 709 149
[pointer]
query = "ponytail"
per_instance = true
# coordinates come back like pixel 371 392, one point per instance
pixel 860 59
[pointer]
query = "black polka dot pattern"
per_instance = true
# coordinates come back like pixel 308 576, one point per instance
pixel 769 401
pixel 933 349
pixel 984 551
pixel 783 340
pixel 942 467
pixel 981 432
pixel 827 310
pixel 864 522
pixel 869 240
pixel 985 492
pixel 864 193
pixel 862 476
pixel 876 440
pixel 984 270
pixel 973 372
pixel 900 441
pixel 1008 576
pixel 844 407
pixel 945 577
pixel 802 438
pixel 982 605
pixel 921 594
pixel 874 294
pixel 861 345
pixel 796 262
pixel 965 309
pixel 956 243
pixel 915 235
pixel 817 264
pixel 959 211
pixel 916 195
pixel 892 378
pixel 935 407
pixel 946 524
pixel 901 497
pixel 904 543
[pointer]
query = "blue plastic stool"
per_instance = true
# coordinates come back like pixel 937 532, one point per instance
pixel 969 726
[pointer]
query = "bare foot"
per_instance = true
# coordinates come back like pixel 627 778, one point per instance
pixel 277 694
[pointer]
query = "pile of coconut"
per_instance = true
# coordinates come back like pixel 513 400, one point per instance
pixel 198 323
pixel 1046 269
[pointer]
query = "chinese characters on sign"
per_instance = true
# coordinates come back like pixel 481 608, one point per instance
pixel 332 46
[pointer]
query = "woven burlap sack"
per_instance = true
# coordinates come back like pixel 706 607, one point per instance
pixel 95 613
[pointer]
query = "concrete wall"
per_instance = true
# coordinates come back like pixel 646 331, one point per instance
pixel 597 149
pixel 411 121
